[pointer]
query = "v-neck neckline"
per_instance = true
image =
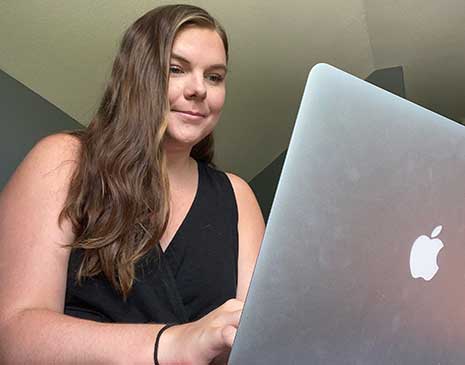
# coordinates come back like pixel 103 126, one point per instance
pixel 188 214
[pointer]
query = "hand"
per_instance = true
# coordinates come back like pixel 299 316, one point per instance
pixel 211 337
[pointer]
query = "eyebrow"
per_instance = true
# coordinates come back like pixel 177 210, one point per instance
pixel 214 66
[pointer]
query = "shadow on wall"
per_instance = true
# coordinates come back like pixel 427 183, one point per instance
pixel 25 118
pixel 265 183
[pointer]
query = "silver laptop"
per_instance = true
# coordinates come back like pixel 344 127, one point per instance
pixel 363 260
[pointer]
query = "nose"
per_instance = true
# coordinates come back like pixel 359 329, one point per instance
pixel 195 87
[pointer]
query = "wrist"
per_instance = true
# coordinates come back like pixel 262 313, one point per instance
pixel 171 346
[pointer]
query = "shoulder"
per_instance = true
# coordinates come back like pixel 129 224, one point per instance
pixel 52 155
pixel 47 168
pixel 245 197
pixel 56 147
pixel 246 201
pixel 247 205
pixel 241 188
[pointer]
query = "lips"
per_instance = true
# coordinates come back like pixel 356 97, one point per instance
pixel 190 113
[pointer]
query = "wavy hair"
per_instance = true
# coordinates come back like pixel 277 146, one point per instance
pixel 118 199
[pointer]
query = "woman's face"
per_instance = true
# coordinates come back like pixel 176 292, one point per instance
pixel 196 89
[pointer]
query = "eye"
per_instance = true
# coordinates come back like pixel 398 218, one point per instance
pixel 215 78
pixel 174 69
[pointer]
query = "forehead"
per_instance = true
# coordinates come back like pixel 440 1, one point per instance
pixel 199 45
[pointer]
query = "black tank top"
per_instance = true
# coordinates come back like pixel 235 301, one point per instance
pixel 196 274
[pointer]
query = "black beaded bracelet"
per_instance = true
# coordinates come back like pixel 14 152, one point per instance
pixel 157 341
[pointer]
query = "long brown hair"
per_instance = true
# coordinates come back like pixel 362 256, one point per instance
pixel 118 199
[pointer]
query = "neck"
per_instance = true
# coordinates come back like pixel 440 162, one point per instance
pixel 180 165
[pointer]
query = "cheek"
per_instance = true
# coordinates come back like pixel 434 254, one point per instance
pixel 217 101
pixel 174 91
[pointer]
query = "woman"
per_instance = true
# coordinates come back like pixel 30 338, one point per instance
pixel 108 234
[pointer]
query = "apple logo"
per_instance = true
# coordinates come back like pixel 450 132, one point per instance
pixel 423 255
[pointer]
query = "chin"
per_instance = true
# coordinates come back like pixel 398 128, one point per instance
pixel 187 138
pixel 183 141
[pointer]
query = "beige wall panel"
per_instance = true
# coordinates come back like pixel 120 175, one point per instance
pixel 427 38
pixel 63 50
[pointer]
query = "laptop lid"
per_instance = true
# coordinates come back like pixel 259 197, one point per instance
pixel 371 195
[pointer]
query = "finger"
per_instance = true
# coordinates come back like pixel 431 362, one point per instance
pixel 229 334
pixel 228 319
pixel 223 335
pixel 234 318
pixel 233 305
pixel 229 331
pixel 218 341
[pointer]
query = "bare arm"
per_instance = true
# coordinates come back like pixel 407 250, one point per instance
pixel 44 336
pixel 33 270
pixel 251 227
pixel 33 266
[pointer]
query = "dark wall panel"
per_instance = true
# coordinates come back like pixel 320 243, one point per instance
pixel 390 79
pixel 265 183
pixel 25 117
